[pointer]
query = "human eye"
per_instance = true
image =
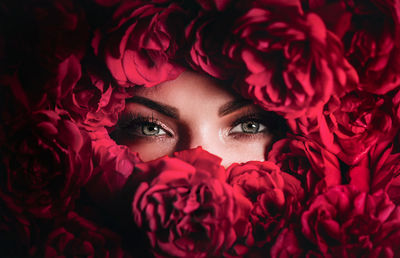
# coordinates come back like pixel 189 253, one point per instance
pixel 142 126
pixel 148 129
pixel 248 125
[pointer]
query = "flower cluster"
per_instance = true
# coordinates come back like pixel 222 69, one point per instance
pixel 330 187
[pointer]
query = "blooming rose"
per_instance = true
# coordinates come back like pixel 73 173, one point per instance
pixel 113 164
pixel 214 4
pixel 276 196
pixel 207 34
pixel 187 210
pixel 107 3
pixel 293 64
pixel 287 244
pixel 95 101
pixel 44 51
pixel 349 223
pixel 317 168
pixel 78 237
pixel 15 230
pixel 141 46
pixel 378 170
pixel 369 31
pixel 350 125
pixel 396 105
pixel 47 159
pixel 382 166
pixel 372 43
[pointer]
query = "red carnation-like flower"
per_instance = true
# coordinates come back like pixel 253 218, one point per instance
pixel 350 125
pixel 187 210
pixel 396 104
pixel 113 164
pixel 276 196
pixel 349 223
pixel 77 236
pixel 47 159
pixel 378 170
pixel 207 34
pixel 42 53
pixel 287 244
pixel 371 43
pixel 16 231
pixel 317 168
pixel 140 47
pixel 294 64
pixel 370 33
pixel 95 101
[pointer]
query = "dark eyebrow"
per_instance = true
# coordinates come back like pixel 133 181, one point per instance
pixel 232 106
pixel 157 106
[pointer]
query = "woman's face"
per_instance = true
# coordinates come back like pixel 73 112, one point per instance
pixel 194 110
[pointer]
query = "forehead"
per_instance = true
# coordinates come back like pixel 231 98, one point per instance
pixel 190 88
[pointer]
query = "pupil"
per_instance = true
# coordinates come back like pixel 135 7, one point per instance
pixel 150 129
pixel 250 127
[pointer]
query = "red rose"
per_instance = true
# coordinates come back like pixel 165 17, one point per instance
pixel 16 232
pixel 107 3
pixel 372 43
pixel 378 170
pixel 141 47
pixel 317 168
pixel 350 125
pixel 211 5
pixel 396 104
pixel 348 223
pixel 113 164
pixel 275 196
pixel 78 237
pixel 44 51
pixel 186 210
pixel 47 159
pixel 95 101
pixel 294 65
pixel 369 31
pixel 287 244
pixel 207 34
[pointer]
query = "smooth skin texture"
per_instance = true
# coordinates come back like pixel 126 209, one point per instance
pixel 193 110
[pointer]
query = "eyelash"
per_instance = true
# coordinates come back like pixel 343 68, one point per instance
pixel 248 118
pixel 130 121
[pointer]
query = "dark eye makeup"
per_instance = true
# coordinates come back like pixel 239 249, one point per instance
pixel 135 126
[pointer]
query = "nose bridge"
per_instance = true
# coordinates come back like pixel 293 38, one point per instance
pixel 200 134
pixel 200 137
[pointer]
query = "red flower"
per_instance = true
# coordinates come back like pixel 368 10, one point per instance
pixel 317 168
pixel 187 210
pixel 294 65
pixel 113 164
pixel 47 159
pixel 16 231
pixel 210 5
pixel 42 53
pixel 95 101
pixel 371 43
pixel 350 125
pixel 207 34
pixel 276 196
pixel 348 223
pixel 370 33
pixel 378 170
pixel 287 244
pixel 78 237
pixel 140 48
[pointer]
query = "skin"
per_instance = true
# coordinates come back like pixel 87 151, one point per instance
pixel 196 110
